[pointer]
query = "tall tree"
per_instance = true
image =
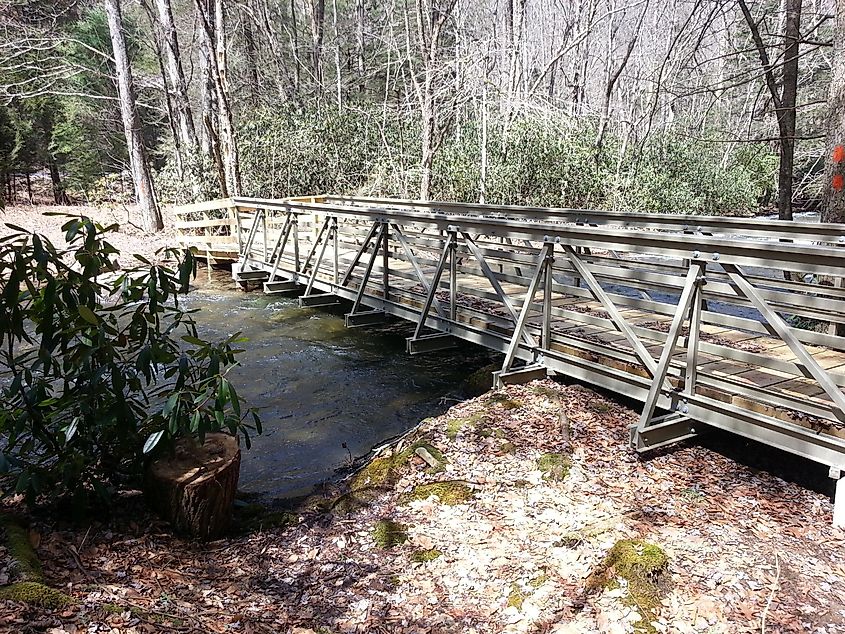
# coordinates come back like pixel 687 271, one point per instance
pixel 223 140
pixel 833 209
pixel 432 16
pixel 138 165
pixel 784 99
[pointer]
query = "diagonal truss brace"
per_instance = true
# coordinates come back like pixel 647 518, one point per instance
pixel 615 316
pixel 545 261
pixel 691 291
pixel 494 282
pixel 328 229
pixel 368 271
pixel 778 327
pixel 416 265
pixel 281 242
pixel 450 245
pixel 253 230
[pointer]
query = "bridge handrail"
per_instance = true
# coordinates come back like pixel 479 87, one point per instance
pixel 787 229
pixel 816 259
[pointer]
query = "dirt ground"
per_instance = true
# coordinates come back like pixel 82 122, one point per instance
pixel 128 240
pixel 746 551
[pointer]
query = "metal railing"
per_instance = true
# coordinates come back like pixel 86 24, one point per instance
pixel 724 322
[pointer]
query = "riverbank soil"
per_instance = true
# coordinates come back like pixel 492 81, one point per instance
pixel 129 239
pixel 516 511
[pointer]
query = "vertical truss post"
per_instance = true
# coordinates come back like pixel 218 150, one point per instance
pixel 432 289
pixel 385 259
pixel 453 275
pixel 238 229
pixel 335 244
pixel 295 229
pixel 691 368
pixel 548 281
pixel 526 305
pixel 695 276
pixel 264 236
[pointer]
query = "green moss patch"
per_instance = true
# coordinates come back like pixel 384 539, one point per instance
pixel 34 593
pixel 378 473
pixel 516 597
pixel 424 556
pixel 387 533
pixel 25 564
pixel 641 565
pixel 418 447
pixel 455 425
pixel 449 492
pixel 548 392
pixel 555 466
pixel 504 401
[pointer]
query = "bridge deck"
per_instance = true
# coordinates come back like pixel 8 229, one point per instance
pixel 726 322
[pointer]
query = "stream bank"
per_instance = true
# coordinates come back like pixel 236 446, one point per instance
pixel 513 551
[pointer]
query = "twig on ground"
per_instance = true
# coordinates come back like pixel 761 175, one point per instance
pixel 771 595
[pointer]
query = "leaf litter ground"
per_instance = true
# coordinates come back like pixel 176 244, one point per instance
pixel 747 551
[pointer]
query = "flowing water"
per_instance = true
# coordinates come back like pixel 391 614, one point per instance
pixel 319 385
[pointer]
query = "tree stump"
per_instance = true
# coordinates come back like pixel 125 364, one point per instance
pixel 194 489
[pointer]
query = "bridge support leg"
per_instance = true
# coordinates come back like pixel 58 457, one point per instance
pixel 519 376
pixel 838 498
pixel 365 318
pixel 430 343
pixel 652 432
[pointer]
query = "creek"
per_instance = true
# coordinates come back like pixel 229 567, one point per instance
pixel 325 393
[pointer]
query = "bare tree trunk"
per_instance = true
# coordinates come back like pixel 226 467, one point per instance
pixel 176 75
pixel 360 45
pixel 59 195
pixel 318 19
pixel 431 17
pixel 613 78
pixel 215 40
pixel 207 85
pixel 252 62
pixel 784 102
pixel 833 209
pixel 144 193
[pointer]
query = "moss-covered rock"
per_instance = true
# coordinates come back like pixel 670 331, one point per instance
pixel 455 425
pixel 507 447
pixel 641 565
pixel 417 448
pixel 504 401
pixel 423 556
pixel 451 492
pixel 387 533
pixel 34 593
pixel 25 565
pixel 378 473
pixel 555 466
